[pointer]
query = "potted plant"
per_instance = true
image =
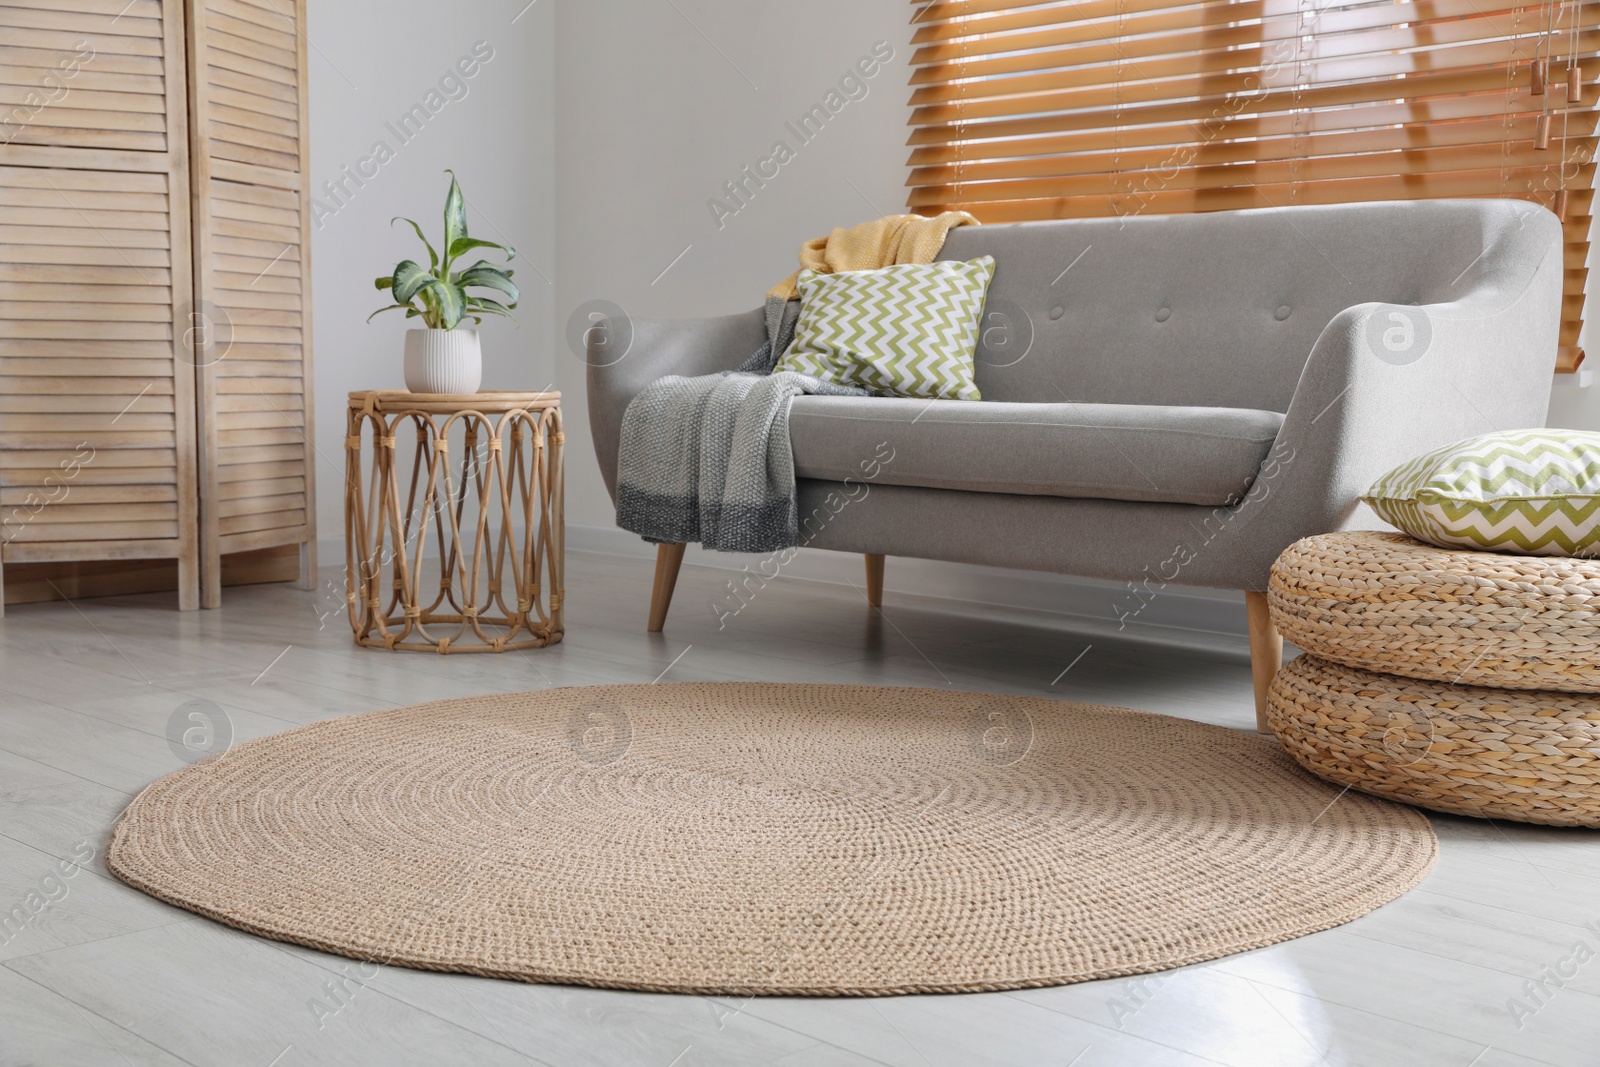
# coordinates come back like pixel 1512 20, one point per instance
pixel 444 356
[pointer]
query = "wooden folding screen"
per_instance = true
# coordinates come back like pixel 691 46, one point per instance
pixel 155 398
pixel 1028 110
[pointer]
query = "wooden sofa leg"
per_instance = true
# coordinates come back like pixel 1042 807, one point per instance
pixel 875 579
pixel 1266 652
pixel 668 559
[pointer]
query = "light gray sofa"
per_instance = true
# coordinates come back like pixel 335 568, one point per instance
pixel 1167 399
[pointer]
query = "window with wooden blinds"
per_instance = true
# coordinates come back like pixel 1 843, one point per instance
pixel 1027 110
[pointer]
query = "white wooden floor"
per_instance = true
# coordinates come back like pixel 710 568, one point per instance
pixel 96 973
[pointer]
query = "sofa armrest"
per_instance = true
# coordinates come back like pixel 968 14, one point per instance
pixel 658 347
pixel 1363 406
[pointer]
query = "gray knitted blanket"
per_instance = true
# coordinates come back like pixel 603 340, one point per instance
pixel 708 459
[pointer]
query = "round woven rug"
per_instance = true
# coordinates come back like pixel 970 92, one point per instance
pixel 769 839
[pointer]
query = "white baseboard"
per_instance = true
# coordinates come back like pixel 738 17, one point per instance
pixel 1209 619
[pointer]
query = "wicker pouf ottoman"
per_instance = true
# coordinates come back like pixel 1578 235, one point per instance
pixel 1395 631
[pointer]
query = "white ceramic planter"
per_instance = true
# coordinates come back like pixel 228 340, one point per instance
pixel 443 361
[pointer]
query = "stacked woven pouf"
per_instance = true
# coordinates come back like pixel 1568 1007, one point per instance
pixel 1462 681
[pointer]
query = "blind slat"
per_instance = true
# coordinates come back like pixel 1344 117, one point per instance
pixel 1187 201
pixel 1158 127
pixel 1471 137
pixel 1440 172
pixel 1368 54
pixel 1209 28
pixel 965 17
pixel 1208 94
pixel 1122 21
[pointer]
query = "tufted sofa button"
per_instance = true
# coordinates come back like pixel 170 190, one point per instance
pixel 1057 312
pixel 1164 314
pixel 1282 313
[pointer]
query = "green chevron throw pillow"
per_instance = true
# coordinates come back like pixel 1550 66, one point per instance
pixel 905 330
pixel 1535 492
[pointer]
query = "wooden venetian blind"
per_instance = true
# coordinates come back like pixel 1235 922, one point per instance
pixel 1027 110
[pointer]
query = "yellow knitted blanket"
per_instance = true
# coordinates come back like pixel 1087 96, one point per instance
pixel 870 245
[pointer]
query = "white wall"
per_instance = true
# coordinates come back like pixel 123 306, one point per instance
pixel 370 61
pixel 1572 404
pixel 657 105
pixel 595 158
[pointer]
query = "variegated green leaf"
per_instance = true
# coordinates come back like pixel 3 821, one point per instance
pixel 466 244
pixel 393 307
pixel 455 215
pixel 452 303
pixel 507 271
pixel 433 257
pixel 487 306
pixel 490 278
pixel 409 278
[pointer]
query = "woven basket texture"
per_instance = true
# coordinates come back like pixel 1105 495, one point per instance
pixel 1526 755
pixel 1387 603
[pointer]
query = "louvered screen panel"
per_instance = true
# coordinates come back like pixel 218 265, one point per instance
pixel 97 447
pixel 84 74
pixel 1026 110
pixel 86 366
pixel 253 77
pixel 253 274
pixel 261 388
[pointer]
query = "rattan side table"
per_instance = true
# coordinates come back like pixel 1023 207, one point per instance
pixel 465 552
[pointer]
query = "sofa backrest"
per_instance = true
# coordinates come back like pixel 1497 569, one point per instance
pixel 1222 308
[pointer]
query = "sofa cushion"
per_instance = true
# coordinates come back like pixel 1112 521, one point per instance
pixel 1183 455
pixel 904 330
pixel 1532 492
